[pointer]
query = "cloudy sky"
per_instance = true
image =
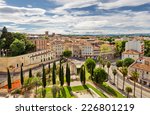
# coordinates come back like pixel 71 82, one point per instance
pixel 76 16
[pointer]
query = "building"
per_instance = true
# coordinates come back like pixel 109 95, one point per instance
pixel 142 66
pixel 41 44
pixel 133 49
pixel 86 50
pixel 26 60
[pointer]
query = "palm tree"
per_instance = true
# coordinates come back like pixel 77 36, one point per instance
pixel 108 65
pixel 128 90
pixel 135 76
pixel 124 72
pixel 114 73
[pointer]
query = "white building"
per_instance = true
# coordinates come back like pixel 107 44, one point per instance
pixel 142 66
pixel 133 49
pixel 86 50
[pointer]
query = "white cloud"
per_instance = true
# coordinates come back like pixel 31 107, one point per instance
pixel 2 2
pixel 122 3
pixel 29 6
pixel 69 4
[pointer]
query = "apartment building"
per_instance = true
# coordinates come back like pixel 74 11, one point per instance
pixel 142 66
pixel 133 49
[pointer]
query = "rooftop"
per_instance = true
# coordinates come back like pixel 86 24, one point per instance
pixel 131 52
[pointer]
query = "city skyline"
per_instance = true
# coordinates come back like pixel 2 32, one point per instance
pixel 76 17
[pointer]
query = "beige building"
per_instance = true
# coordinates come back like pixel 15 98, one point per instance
pixel 26 60
pixel 142 66
pixel 41 44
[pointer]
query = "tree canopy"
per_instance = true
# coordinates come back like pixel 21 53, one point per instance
pixel 127 62
pixel 67 53
pixel 90 65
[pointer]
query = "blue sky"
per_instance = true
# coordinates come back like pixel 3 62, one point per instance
pixel 76 16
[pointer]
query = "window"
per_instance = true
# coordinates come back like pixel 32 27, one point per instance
pixel 146 72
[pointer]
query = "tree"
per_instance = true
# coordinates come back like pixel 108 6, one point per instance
pixel 134 76
pixel 90 65
pixel 9 80
pixel 100 75
pixel 62 76
pixel 30 73
pixel 114 73
pixel 103 63
pixel 108 65
pixel 67 53
pixel 17 47
pixel 119 63
pixel 21 77
pixel 54 73
pixel 127 62
pixel 82 75
pixel 37 81
pixel 60 72
pixel 29 46
pixel 128 90
pixel 124 72
pixel 120 47
pixel 49 70
pixel 44 77
pixel 147 48
pixel 68 74
pixel 4 30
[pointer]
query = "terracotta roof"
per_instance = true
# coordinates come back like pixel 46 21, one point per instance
pixel 141 66
pixel 131 52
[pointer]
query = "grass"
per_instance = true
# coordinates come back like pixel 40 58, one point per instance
pixel 64 93
pixel 111 91
pixel 97 91
pixel 87 86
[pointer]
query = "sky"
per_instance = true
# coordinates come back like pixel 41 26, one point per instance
pixel 92 17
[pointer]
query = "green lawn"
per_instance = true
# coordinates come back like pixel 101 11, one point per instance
pixel 65 92
pixel 87 86
pixel 111 91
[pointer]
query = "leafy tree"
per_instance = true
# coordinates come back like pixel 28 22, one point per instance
pixel 114 73
pixel 67 53
pixel 9 80
pixel 120 47
pixel 44 77
pixel 54 73
pixel 37 82
pixel 62 76
pixel 127 62
pixel 124 72
pixel 105 48
pixel 100 75
pixel 128 90
pixel 108 65
pixel 17 47
pixel 90 65
pixel 21 77
pixel 103 63
pixel 147 48
pixel 30 47
pixel 30 73
pixel 119 63
pixel 68 74
pixel 135 76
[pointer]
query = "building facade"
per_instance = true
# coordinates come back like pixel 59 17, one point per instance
pixel 142 66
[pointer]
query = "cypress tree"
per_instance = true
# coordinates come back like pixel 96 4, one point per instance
pixel 60 72
pixel 54 73
pixel 84 77
pixel 81 74
pixel 49 70
pixel 44 77
pixel 68 75
pixel 9 80
pixel 21 77
pixel 62 76
pixel 30 73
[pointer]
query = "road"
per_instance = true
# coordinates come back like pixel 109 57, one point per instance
pixel 145 91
